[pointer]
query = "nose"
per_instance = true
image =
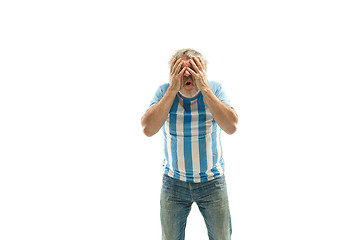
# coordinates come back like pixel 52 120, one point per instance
pixel 186 73
pixel 186 63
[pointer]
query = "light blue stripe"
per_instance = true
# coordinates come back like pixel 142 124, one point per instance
pixel 166 161
pixel 187 142
pixel 221 154
pixel 202 140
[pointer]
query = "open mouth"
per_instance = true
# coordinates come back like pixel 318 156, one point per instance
pixel 187 81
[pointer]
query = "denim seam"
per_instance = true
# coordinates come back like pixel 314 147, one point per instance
pixel 191 194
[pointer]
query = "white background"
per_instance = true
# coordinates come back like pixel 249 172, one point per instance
pixel 76 77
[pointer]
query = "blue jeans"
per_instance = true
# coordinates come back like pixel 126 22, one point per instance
pixel 212 199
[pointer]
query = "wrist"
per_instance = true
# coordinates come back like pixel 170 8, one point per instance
pixel 172 91
pixel 205 88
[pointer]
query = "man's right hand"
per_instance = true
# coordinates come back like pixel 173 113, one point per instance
pixel 176 74
pixel 155 117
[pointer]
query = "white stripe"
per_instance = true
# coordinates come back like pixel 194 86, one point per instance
pixel 219 151
pixel 171 172
pixel 180 139
pixel 195 141
pixel 209 152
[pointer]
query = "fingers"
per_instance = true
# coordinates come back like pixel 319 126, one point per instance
pixel 202 63
pixel 182 71
pixel 172 64
pixel 175 80
pixel 176 68
pixel 196 64
pixel 191 71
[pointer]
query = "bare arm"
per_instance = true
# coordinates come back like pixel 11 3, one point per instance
pixel 224 115
pixel 155 117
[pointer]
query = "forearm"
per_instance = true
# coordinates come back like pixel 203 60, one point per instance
pixel 155 117
pixel 224 115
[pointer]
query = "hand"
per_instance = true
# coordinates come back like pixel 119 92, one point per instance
pixel 199 74
pixel 176 74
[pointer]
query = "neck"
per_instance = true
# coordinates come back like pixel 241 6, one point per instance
pixel 189 95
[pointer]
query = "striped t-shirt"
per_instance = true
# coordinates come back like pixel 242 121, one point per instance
pixel 192 145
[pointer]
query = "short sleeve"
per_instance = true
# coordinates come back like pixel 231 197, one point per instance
pixel 158 95
pixel 220 93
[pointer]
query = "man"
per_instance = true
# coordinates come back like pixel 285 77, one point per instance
pixel 190 109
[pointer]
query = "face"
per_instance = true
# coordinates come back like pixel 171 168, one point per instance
pixel 188 88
